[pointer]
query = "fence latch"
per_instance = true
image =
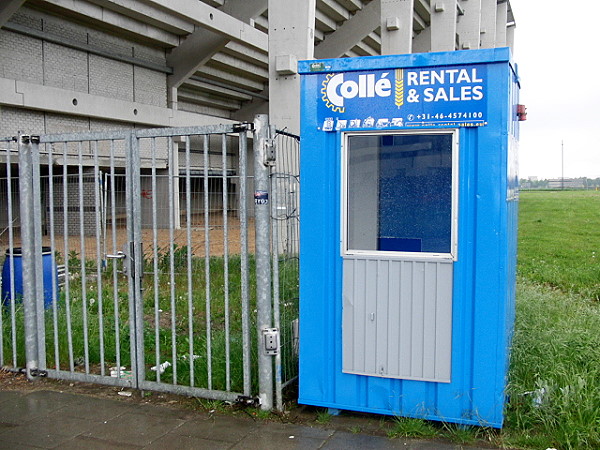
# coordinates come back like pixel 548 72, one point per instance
pixel 271 340
pixel 270 152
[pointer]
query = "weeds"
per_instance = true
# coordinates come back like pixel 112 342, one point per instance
pixel 323 417
pixel 410 427
pixel 93 320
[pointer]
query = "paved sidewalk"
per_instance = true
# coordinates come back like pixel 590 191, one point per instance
pixel 50 419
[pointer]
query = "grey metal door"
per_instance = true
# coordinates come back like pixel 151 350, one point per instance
pixel 399 219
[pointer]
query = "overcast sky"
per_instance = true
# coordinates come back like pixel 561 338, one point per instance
pixel 557 49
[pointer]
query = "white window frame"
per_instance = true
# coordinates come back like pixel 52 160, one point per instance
pixel 347 252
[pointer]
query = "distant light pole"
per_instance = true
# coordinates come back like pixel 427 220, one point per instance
pixel 562 164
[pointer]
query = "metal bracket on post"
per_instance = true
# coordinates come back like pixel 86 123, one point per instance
pixel 271 341
pixel 270 152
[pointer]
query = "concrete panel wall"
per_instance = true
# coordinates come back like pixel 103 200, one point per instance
pixel 29 59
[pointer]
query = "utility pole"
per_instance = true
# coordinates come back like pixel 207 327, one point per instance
pixel 562 164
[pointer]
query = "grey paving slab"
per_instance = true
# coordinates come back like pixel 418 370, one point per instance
pixel 90 443
pixel 98 409
pixel 49 419
pixel 261 441
pixel 218 428
pixel 9 395
pixel 19 409
pixel 298 431
pixel 179 442
pixel 343 440
pixel 25 439
pixel 134 428
pixel 163 411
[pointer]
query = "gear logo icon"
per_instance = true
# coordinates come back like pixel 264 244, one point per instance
pixel 325 97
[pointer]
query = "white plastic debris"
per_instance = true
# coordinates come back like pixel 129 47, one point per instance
pixel 537 396
pixel 120 372
pixel 124 393
pixel 161 367
pixel 194 357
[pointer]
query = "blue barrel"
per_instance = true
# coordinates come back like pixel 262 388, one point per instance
pixel 17 257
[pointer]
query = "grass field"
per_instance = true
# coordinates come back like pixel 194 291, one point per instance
pixel 559 240
pixel 555 371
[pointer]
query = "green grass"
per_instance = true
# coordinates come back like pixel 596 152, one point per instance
pixel 108 330
pixel 559 240
pixel 554 385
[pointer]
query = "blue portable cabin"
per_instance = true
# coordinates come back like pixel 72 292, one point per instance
pixel 409 206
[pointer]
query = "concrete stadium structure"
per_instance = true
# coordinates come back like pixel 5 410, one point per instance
pixel 93 65
pixel 80 65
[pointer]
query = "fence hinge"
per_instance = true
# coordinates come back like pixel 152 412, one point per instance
pixel 241 127
pixel 271 341
pixel 244 400
pixel 38 373
pixel 26 139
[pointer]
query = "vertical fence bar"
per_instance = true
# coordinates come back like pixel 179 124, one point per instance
pixel 138 259
pixel 245 298
pixel 113 222
pixel 155 262
pixel 207 263
pixel 37 251
pixel 130 173
pixel 99 258
pixel 11 261
pixel 263 254
pixel 188 215
pixel 171 158
pixel 3 297
pixel 83 255
pixel 53 246
pixel 226 260
pixel 27 245
pixel 67 265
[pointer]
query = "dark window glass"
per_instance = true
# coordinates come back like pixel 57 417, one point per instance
pixel 400 192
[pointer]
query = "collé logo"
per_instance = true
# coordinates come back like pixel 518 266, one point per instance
pixel 337 88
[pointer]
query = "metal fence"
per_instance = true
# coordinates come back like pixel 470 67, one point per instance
pixel 138 248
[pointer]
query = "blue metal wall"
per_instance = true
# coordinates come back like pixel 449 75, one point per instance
pixel 484 272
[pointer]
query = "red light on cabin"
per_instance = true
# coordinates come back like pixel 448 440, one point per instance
pixel 522 112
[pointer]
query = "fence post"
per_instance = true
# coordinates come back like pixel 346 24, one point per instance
pixel 29 279
pixel 37 252
pixel 263 254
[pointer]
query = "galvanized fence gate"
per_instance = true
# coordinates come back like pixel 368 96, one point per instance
pixel 157 259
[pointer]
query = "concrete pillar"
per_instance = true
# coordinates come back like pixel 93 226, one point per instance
pixel 468 26
pixel 488 23
pixel 510 37
pixel 291 38
pixel 443 25
pixel 501 19
pixel 396 26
